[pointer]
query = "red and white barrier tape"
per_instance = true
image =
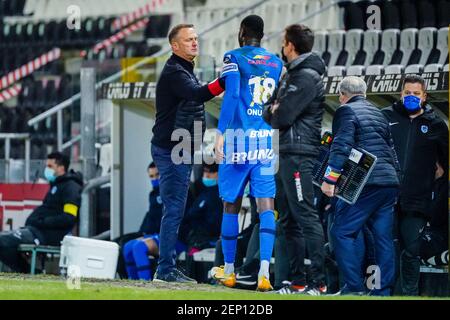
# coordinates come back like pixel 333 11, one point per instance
pixel 10 92
pixel 126 19
pixel 29 68
pixel 118 36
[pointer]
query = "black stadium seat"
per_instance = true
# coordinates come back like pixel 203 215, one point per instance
pixel 390 15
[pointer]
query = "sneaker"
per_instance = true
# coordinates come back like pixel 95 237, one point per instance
pixel 246 280
pixel 292 289
pixel 174 275
pixel 228 280
pixel 316 291
pixel 264 284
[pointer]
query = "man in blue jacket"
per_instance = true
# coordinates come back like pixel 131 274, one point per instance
pixel 359 124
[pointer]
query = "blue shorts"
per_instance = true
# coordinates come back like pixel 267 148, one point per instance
pixel 179 247
pixel 233 179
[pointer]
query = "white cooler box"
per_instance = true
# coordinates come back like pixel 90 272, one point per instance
pixel 91 258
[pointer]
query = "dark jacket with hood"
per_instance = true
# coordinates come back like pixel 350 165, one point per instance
pixel 301 98
pixel 179 101
pixel 57 215
pixel 419 143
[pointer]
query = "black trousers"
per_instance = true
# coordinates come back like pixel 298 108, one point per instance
pixel 299 218
pixel 411 225
pixel 9 242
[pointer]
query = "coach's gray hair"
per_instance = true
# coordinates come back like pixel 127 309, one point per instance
pixel 352 86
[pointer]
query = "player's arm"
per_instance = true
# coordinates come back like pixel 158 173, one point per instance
pixel 187 89
pixel 343 142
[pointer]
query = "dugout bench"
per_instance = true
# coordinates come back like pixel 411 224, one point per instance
pixel 35 250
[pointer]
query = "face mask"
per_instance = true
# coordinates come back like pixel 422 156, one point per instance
pixel 49 174
pixel 283 57
pixel 412 103
pixel 209 182
pixel 155 183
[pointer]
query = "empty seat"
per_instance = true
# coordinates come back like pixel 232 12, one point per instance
pixel 446 67
pixel 443 13
pixel 336 71
pixel 408 45
pixel 426 13
pixel 389 44
pixel 354 15
pixel 335 46
pixel 442 45
pixel 427 42
pixel 394 69
pixel 372 42
pixel 374 70
pixel 353 45
pixel 414 68
pixel 355 70
pixel 390 15
pixel 408 12
pixel 434 67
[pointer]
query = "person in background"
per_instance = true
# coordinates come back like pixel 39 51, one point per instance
pixel 421 143
pixel 51 221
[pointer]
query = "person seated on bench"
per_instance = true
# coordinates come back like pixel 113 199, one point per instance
pixel 146 242
pixel 50 222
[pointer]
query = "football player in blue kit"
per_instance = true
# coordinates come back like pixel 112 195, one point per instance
pixel 244 145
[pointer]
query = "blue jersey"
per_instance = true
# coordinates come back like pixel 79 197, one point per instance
pixel 251 75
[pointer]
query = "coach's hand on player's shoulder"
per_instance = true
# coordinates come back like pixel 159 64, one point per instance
pixel 218 148
pixel 328 189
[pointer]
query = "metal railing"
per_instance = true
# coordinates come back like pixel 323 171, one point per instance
pixel 7 137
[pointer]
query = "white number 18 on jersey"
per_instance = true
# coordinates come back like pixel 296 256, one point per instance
pixel 262 90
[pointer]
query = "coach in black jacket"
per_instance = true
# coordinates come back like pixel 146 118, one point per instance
pixel 179 103
pixel 51 221
pixel 297 110
pixel 360 125
pixel 421 141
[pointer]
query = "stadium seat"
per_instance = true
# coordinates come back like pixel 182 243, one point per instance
pixel 442 45
pixel 335 46
pixel 355 70
pixel 354 15
pixel 372 41
pixel 408 14
pixel 390 14
pixel 394 69
pixel 321 45
pixel 443 13
pixel 446 68
pixel 414 68
pixel 336 71
pixel 374 70
pixel 427 42
pixel 408 47
pixel 434 67
pixel 427 13
pixel 389 45
pixel 353 45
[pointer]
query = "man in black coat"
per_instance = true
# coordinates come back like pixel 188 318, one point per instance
pixel 421 142
pixel 179 105
pixel 50 222
pixel 360 125
pixel 296 111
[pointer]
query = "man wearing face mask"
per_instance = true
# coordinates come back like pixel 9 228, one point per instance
pixel 297 110
pixel 421 142
pixel 51 221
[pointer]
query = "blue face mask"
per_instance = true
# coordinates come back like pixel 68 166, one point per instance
pixel 155 183
pixel 208 182
pixel 49 174
pixel 411 103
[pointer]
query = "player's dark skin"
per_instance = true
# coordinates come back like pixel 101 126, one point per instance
pixel 263 204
